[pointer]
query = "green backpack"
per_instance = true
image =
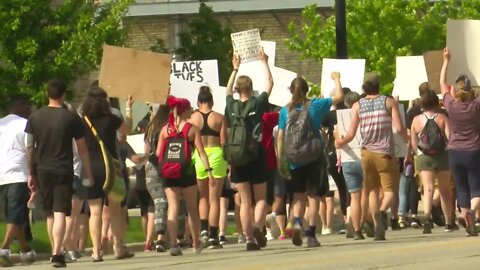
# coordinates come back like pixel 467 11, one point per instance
pixel 242 143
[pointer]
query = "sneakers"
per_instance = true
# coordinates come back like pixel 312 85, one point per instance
pixel 451 227
pixel 259 237
pixel 297 238
pixel 327 231
pixel 70 256
pixel 274 229
pixel 282 237
pixel 160 246
pixel 241 238
pixel 427 226
pixel 289 230
pixel 214 244
pixel 176 251
pixel 252 246
pixel 470 222
pixel 358 235
pixel 269 235
pixel 415 223
pixel 437 216
pixel 394 224
pixel 204 237
pixel 198 250
pixel 312 242
pixel 59 261
pixel 350 231
pixel 29 257
pixel 369 229
pixel 222 240
pixel 148 247
pixel 5 258
pixel 402 223
pixel 380 217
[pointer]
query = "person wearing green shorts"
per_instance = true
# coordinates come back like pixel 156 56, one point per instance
pixel 212 127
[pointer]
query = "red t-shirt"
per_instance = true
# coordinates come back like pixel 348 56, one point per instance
pixel 269 121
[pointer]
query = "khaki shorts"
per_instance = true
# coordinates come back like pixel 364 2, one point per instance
pixel 380 170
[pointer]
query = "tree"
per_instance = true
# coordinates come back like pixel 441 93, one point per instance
pixel 205 38
pixel 380 30
pixel 40 41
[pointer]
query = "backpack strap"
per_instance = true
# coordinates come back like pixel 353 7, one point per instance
pixel 250 105
pixel 186 129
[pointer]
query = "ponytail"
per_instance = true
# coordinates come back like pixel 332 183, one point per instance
pixel 299 90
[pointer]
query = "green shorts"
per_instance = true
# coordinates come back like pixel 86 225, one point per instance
pixel 433 163
pixel 215 158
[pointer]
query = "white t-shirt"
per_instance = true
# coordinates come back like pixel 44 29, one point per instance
pixel 13 150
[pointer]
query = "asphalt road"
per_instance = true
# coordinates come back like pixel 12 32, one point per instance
pixel 407 249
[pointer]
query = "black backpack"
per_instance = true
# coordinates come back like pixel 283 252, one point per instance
pixel 432 140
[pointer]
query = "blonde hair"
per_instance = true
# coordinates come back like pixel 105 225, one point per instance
pixel 244 85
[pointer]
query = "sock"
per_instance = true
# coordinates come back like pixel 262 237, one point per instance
pixel 312 232
pixel 298 220
pixel 203 225
pixel 213 232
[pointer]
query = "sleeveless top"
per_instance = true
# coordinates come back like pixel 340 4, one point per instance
pixel 376 125
pixel 206 130
pixel 425 118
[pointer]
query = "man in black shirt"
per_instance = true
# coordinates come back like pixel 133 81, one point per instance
pixel 50 133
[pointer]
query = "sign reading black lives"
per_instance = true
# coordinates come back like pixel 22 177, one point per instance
pixel 199 71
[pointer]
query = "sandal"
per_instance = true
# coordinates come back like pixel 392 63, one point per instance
pixel 125 254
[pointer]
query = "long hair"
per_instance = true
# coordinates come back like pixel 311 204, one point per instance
pixel 157 123
pixel 177 107
pixel 96 103
pixel 299 90
pixel 205 96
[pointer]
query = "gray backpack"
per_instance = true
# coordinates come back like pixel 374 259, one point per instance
pixel 302 144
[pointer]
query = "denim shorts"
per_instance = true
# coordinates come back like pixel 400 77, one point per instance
pixel 353 174
pixel 16 196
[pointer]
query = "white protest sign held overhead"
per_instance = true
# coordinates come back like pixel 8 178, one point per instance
pixel 411 72
pixel 352 150
pixel 189 90
pixel 351 74
pixel 137 143
pixel 200 71
pixel 247 44
pixel 463 42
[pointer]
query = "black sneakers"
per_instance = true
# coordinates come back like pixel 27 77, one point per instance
pixel 381 218
pixel 369 229
pixel 358 235
pixel 58 261
pixel 394 224
pixel 427 226
pixel 260 237
pixel 252 246
pixel 451 227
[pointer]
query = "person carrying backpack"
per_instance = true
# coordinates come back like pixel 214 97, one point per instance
pixel 463 108
pixel 244 151
pixel 299 137
pixel 429 133
pixel 174 150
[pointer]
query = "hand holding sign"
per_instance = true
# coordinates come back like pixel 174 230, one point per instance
pixel 263 55
pixel 446 55
pixel 236 61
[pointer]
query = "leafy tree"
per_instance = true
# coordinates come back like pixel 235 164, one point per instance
pixel 41 40
pixel 380 30
pixel 205 38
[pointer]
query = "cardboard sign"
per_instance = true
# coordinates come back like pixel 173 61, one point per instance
pixel 433 65
pixel 352 151
pixel 463 41
pixel 247 44
pixel 410 74
pixel 351 74
pixel 200 71
pixel 189 90
pixel 143 74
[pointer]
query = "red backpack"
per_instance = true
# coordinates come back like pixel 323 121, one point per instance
pixel 176 154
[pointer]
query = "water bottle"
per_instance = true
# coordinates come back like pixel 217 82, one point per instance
pixel 409 170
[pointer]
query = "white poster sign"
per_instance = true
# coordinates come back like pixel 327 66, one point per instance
pixel 137 143
pixel 463 41
pixel 189 90
pixel 200 71
pixel 247 44
pixel 411 72
pixel 351 74
pixel 140 109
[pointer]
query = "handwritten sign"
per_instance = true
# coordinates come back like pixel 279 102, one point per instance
pixel 463 41
pixel 351 74
pixel 411 72
pixel 247 44
pixel 200 71
pixel 352 151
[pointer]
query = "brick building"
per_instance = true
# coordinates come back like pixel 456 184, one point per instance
pixel 149 20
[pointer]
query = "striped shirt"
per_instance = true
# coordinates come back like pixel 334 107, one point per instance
pixel 376 125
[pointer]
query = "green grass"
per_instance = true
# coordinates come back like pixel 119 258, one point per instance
pixel 41 243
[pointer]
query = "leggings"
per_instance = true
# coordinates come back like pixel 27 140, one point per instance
pixel 157 191
pixel 340 182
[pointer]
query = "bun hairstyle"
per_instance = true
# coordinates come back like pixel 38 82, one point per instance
pixel 244 85
pixel 205 96
pixel 299 90
pixel 429 100
pixel 464 88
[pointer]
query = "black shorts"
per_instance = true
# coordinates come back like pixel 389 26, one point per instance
pixel 16 197
pixel 56 192
pixel 254 172
pixel 188 180
pixel 145 201
pixel 311 179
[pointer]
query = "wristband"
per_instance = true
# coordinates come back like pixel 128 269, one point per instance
pixel 128 109
pixel 208 170
pixel 235 69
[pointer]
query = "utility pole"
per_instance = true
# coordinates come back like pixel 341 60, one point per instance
pixel 341 29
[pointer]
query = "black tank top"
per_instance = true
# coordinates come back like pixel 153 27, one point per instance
pixel 206 130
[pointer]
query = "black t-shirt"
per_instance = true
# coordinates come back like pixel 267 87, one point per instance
pixel 54 130
pixel 415 111
pixel 106 127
